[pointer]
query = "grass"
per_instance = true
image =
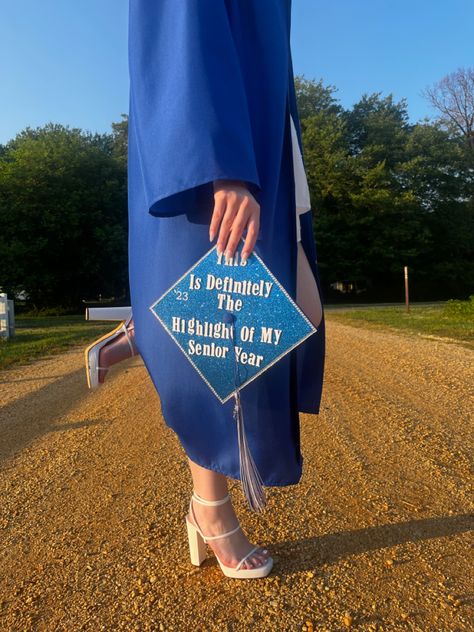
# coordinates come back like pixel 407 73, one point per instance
pixel 40 336
pixel 452 320
pixel 37 337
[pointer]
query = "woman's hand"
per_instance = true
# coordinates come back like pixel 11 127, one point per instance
pixel 235 208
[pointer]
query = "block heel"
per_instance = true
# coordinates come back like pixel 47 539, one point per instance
pixel 198 549
pixel 197 546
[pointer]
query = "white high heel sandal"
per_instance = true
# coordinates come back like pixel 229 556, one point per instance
pixel 198 550
pixel 91 353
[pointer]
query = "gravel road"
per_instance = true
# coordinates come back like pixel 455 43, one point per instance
pixel 378 535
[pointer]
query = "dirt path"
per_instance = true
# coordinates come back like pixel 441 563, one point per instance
pixel 94 487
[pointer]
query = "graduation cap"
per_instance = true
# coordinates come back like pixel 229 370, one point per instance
pixel 233 321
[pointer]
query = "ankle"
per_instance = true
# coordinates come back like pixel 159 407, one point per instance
pixel 217 497
pixel 215 516
pixel 212 514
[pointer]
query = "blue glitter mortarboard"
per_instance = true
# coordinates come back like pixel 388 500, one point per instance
pixel 233 322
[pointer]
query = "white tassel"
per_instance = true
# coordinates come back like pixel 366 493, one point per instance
pixel 252 484
pixel 250 479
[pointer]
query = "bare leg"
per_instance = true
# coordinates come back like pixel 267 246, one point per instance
pixel 115 351
pixel 221 518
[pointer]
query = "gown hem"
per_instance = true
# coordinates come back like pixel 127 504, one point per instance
pixel 230 474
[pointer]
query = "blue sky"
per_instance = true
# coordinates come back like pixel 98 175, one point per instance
pixel 66 62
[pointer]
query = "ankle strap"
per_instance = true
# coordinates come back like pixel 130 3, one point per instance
pixel 203 501
pixel 127 335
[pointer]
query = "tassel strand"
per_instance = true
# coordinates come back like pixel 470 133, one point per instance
pixel 251 481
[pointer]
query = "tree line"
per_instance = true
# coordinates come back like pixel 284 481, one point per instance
pixel 385 193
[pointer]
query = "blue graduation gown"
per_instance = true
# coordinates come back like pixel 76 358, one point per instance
pixel 211 95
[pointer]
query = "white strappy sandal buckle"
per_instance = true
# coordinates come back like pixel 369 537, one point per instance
pixel 91 353
pixel 198 551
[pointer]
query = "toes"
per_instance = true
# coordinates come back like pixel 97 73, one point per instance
pixel 250 562
pixel 255 561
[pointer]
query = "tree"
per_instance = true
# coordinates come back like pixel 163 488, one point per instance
pixel 384 194
pixel 313 98
pixel 63 215
pixel 453 97
pixel 120 140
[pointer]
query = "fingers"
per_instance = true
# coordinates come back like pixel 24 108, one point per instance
pixel 239 223
pixel 253 227
pixel 235 209
pixel 233 203
pixel 219 210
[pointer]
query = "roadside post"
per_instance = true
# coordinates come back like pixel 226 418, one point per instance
pixel 407 304
pixel 7 317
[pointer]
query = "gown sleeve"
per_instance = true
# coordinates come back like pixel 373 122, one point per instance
pixel 189 116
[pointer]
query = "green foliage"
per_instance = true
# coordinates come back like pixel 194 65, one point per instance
pixel 454 307
pixel 63 213
pixel 43 312
pixel 387 194
pixel 430 320
pixel 36 337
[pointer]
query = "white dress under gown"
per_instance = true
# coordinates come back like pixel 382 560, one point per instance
pixel 303 203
